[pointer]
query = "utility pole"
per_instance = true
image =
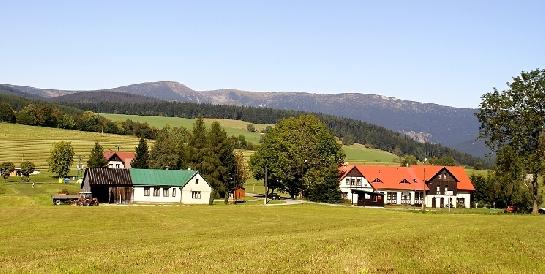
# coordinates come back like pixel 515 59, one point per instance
pixel 424 190
pixel 266 187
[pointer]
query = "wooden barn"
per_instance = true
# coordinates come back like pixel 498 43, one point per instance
pixel 108 185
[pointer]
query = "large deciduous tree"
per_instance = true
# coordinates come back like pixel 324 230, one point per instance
pixel 27 168
pixel 301 156
pixel 61 158
pixel 514 117
pixel 6 168
pixel 6 113
pixel 141 159
pixel 96 158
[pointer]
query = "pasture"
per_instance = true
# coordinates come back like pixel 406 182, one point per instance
pixel 22 142
pixel 306 238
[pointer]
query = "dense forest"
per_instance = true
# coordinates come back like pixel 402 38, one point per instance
pixel 344 128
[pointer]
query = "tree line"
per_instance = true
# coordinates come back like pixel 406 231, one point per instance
pixel 347 129
pixel 38 113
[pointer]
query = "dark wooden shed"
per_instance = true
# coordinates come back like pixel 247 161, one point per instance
pixel 368 198
pixel 108 185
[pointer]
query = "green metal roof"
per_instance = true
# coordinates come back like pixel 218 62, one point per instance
pixel 159 177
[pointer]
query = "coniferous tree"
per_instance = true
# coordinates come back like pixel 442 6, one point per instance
pixel 96 158
pixel 169 150
pixel 198 147
pixel 221 161
pixel 141 160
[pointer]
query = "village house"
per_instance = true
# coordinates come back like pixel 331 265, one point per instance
pixel 119 159
pixel 124 186
pixel 444 185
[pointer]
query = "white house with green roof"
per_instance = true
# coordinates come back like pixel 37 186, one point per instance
pixel 169 186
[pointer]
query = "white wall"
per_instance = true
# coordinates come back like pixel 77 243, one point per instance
pixel 201 186
pixel 465 195
pixel 346 188
pixel 113 164
pixel 138 195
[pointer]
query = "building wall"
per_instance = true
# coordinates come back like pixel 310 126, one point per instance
pixel 114 164
pixel 139 197
pixel 461 195
pixel 196 184
pixel 359 183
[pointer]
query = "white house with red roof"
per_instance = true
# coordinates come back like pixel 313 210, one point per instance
pixel 444 185
pixel 119 159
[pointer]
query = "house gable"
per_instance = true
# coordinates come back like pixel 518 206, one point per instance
pixel 442 182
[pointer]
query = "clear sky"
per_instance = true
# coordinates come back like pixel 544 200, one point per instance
pixel 446 52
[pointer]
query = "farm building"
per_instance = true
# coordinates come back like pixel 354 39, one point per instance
pixel 169 186
pixel 123 186
pixel 119 159
pixel 108 185
pixel 444 185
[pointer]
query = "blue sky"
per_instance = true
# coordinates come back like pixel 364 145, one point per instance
pixel 446 52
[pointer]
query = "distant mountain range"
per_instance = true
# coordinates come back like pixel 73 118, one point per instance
pixel 424 122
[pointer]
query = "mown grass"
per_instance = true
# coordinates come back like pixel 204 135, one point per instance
pixel 232 127
pixel 257 239
pixel 358 153
pixel 29 143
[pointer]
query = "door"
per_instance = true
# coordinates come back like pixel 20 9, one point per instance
pixel 442 203
pixel 433 205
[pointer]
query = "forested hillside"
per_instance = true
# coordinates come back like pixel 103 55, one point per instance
pixel 344 128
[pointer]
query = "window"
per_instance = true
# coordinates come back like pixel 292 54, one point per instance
pixel 405 197
pixel 174 192
pixel 352 182
pixel 146 191
pixel 392 197
pixel 196 181
pixel 438 190
pixel 446 189
pixel 358 182
pixel 116 165
pixel 195 194
pixel 165 192
pixel 156 191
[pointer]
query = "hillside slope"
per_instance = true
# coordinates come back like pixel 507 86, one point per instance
pixel 453 127
pixel 30 143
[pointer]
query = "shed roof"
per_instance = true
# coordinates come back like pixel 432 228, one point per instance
pixel 159 177
pixel 107 176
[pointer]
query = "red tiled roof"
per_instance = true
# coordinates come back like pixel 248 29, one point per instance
pixel 464 183
pixel 125 156
pixel 391 177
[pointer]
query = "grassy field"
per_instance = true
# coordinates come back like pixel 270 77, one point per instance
pixel 232 127
pixel 30 143
pixel 256 239
pixel 358 153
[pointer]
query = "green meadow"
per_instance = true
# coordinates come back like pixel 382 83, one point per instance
pixel 307 238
